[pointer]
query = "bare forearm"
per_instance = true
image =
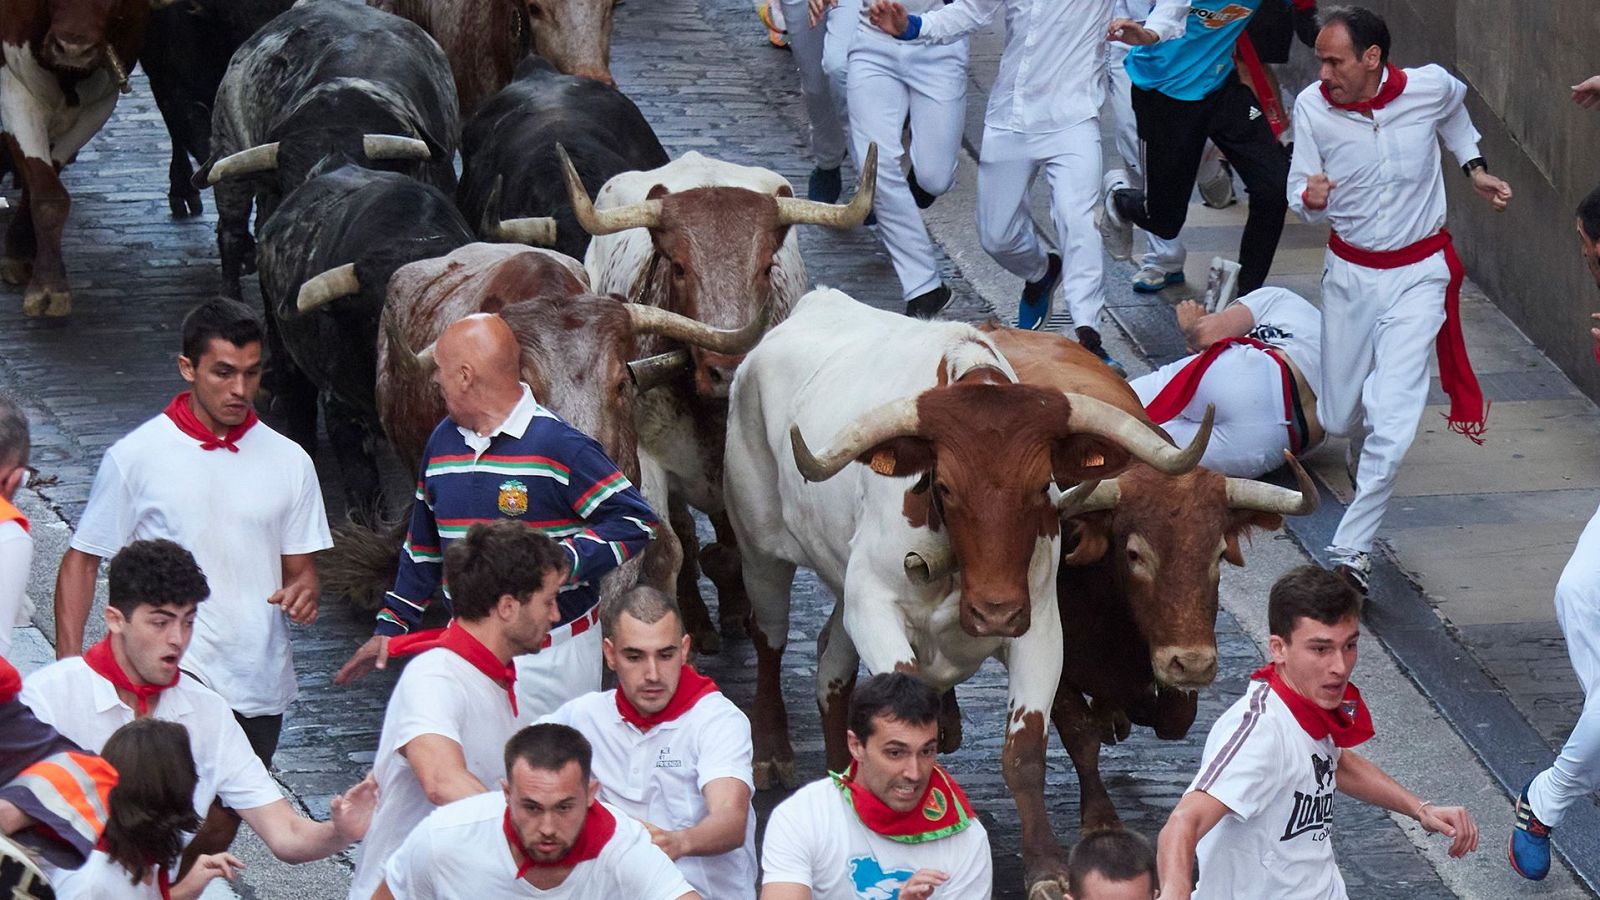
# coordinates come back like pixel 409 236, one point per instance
pixel 1175 856
pixel 1360 778
pixel 74 598
pixel 450 786
pixel 13 820
pixel 305 840
pixel 718 832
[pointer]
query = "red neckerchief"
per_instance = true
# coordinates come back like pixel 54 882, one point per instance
pixel 1390 89
pixel 1177 393
pixel 460 642
pixel 1350 724
pixel 104 663
pixel 183 416
pixel 163 883
pixel 10 681
pixel 598 827
pixel 692 688
pixel 944 809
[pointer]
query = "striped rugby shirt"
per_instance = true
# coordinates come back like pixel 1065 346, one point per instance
pixel 536 469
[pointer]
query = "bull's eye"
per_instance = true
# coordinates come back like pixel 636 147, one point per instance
pixel 1133 555
pixel 678 271
pixel 534 12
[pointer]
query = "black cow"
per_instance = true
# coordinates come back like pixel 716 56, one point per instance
pixel 186 51
pixel 331 248
pixel 327 78
pixel 508 150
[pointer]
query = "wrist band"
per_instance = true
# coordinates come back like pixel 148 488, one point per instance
pixel 1425 805
pixel 913 28
pixel 1476 162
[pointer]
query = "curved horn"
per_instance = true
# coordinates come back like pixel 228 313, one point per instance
pixel 654 371
pixel 327 287
pixel 262 158
pixel 931 565
pixel 1088 497
pixel 644 214
pixel 394 146
pixel 1246 493
pixel 1093 416
pixel 535 231
pixel 794 211
pixel 400 348
pixel 897 418
pixel 730 341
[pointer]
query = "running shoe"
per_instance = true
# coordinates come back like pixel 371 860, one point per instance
pixel 775 29
pixel 922 197
pixel 1529 847
pixel 1035 305
pixel 1115 230
pixel 930 304
pixel 1353 568
pixel 1153 279
pixel 1216 186
pixel 825 185
pixel 20 878
pixel 1090 339
pixel 1222 284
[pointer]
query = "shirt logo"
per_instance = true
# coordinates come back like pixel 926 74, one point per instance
pixel 1221 18
pixel 1254 113
pixel 936 806
pixel 1269 333
pixel 1313 813
pixel 513 498
pixel 663 761
pixel 873 883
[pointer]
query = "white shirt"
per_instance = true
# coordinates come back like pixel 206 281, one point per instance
pixel 74 700
pixel 460 853
pixel 16 560
pixel 438 693
pixel 659 776
pixel 1052 73
pixel 1289 322
pixel 515 424
pixel 239 514
pixel 1388 187
pixel 815 839
pixel 1278 784
pixel 101 879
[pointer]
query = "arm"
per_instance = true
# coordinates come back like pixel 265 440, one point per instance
pixel 294 838
pixel 1308 185
pixel 1194 816
pixel 619 523
pixel 727 812
pixel 1361 778
pixel 1202 329
pixel 940 26
pixel 441 769
pixel 13 820
pixel 1168 21
pixel 207 867
pixel 1586 93
pixel 421 567
pixel 1461 139
pixel 785 891
pixel 301 591
pixel 74 598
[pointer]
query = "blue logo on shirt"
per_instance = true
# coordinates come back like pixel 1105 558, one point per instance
pixel 873 883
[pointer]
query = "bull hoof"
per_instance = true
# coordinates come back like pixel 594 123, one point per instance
pixel 185 204
pixel 44 301
pixel 770 774
pixel 15 271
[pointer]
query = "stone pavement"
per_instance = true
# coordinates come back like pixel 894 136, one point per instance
pixel 702 74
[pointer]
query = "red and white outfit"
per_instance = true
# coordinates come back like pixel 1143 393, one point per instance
pixel 1257 403
pixel 461 695
pixel 656 768
pixel 239 511
pixel 16 560
pixel 1575 774
pixel 1391 278
pixel 463 851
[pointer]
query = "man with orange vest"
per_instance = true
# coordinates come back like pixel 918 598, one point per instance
pixel 16 547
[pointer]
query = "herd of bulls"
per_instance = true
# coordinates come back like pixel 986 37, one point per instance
pixel 1011 500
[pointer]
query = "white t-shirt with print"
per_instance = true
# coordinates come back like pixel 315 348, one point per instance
pixel 74 700
pixel 460 852
pixel 1278 784
pixel 815 839
pixel 1289 322
pixel 239 514
pixel 438 693
pixel 659 776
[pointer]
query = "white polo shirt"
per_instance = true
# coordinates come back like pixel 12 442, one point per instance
pixel 1278 784
pixel 460 852
pixel 438 693
pixel 238 513
pixel 1289 322
pixel 815 839
pixel 660 775
pixel 74 700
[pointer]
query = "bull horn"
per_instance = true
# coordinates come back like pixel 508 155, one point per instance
pixel 406 358
pixel 261 158
pixel 644 214
pixel 1097 417
pixel 1246 493
pixel 327 287
pixel 657 370
pixel 118 70
pixel 897 418
pixel 794 211
pixel 929 566
pixel 535 231
pixel 1091 496
pixel 729 341
pixel 394 146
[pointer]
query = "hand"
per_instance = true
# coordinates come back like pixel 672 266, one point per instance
pixel 1587 93
pixel 1189 315
pixel 819 10
pixel 890 17
pixel 672 843
pixel 299 602
pixel 1492 189
pixel 351 811
pixel 1452 822
pixel 1318 186
pixel 1595 334
pixel 921 885
pixel 374 654
pixel 205 868
pixel 1130 32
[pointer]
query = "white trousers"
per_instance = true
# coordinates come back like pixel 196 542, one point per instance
pixel 1168 256
pixel 824 100
pixel 556 674
pixel 1576 772
pixel 1250 431
pixel 1378 331
pixel 886 81
pixel 1071 161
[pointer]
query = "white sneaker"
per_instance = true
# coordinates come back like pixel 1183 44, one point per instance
pixel 1353 567
pixel 1216 180
pixel 1115 234
pixel 1222 284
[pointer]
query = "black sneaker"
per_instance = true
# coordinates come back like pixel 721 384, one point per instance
pixel 923 198
pixel 1090 339
pixel 825 185
pixel 930 304
pixel 1354 569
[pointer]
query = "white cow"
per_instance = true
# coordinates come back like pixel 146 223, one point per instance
pixel 956 457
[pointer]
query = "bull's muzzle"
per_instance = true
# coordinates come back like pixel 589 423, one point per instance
pixel 1186 668
pixel 1004 619
pixel 713 372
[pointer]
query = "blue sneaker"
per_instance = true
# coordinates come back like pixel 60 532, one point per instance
pixel 825 185
pixel 1529 849
pixel 1035 305
pixel 1153 279
pixel 1090 340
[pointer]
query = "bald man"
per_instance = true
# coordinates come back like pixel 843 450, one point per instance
pixel 500 455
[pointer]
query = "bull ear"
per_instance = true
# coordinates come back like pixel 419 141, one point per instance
pixel 899 457
pixel 1091 538
pixel 656 192
pixel 1240 523
pixel 1085 457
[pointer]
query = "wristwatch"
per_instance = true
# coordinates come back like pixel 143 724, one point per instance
pixel 1477 162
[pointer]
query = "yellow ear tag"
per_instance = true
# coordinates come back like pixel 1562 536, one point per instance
pixel 883 462
pixel 1094 459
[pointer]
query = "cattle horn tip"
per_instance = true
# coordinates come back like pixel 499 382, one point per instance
pixel 327 287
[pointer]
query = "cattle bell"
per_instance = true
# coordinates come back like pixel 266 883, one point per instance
pixel 655 371
pixel 930 566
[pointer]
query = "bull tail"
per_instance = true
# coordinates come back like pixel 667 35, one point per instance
pixel 363 562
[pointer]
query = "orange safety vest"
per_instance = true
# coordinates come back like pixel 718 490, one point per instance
pixel 9 513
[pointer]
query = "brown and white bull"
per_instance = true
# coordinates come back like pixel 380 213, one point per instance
pixel 62 65
pixel 715 242
pixel 954 453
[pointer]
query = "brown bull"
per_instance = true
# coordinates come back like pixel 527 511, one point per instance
pixel 1138 584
